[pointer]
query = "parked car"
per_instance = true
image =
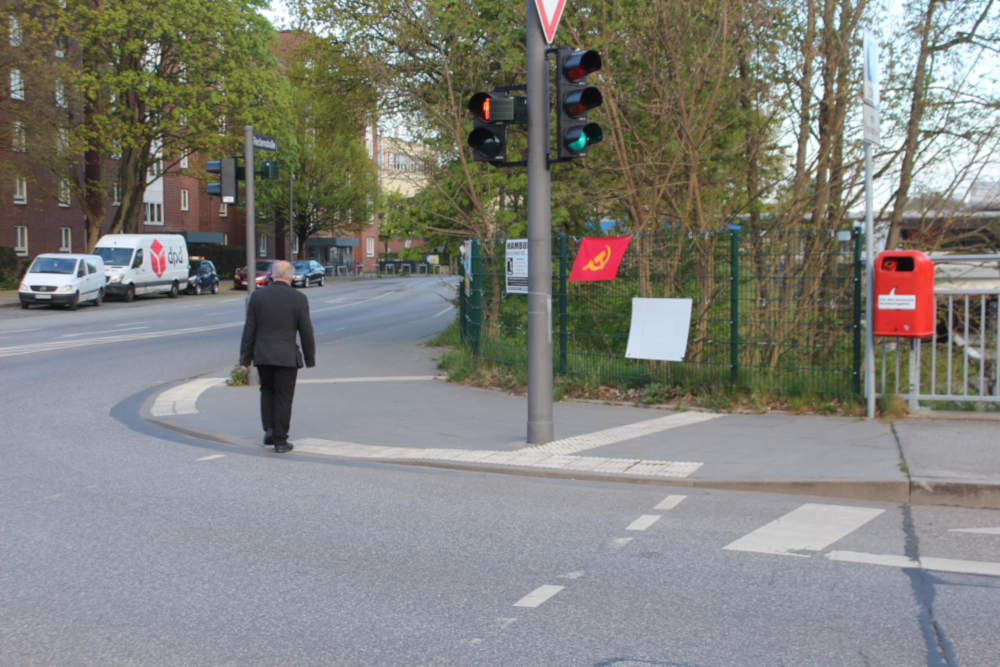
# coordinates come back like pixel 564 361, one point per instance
pixel 143 264
pixel 62 279
pixel 264 277
pixel 202 277
pixel 307 272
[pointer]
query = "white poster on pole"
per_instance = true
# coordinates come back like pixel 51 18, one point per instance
pixel 870 117
pixel 659 329
pixel 517 266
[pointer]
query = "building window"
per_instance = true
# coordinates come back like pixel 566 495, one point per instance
pixel 60 94
pixel 65 239
pixel 154 213
pixel 370 247
pixel 18 139
pixel 60 46
pixel 184 200
pixel 15 31
pixel 20 191
pixel 184 162
pixel 64 193
pixel 16 85
pixel 223 210
pixel 295 244
pixel 155 170
pixel 263 246
pixel 116 195
pixel 222 126
pixel 62 140
pixel 21 241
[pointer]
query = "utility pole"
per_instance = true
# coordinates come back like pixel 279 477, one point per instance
pixel 540 428
pixel 253 379
pixel 291 212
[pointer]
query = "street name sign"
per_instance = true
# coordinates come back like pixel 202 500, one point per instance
pixel 550 11
pixel 871 119
pixel 265 143
pixel 517 266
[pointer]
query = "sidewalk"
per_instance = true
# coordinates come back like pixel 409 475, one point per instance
pixel 356 410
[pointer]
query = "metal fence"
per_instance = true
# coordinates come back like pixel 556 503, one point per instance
pixel 779 311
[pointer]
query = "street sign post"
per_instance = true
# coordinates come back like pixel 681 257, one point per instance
pixel 872 136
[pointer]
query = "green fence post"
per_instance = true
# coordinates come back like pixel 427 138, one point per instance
pixel 462 307
pixel 858 239
pixel 476 300
pixel 562 303
pixel 734 305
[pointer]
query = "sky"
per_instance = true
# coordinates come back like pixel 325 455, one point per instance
pixel 278 15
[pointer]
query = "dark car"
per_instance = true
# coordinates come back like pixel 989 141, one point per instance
pixel 202 277
pixel 264 277
pixel 308 272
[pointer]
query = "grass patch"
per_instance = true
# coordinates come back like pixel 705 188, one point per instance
pixel 892 407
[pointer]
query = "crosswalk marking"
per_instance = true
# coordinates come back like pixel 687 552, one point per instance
pixel 927 563
pixel 538 596
pixel 579 443
pixel 811 527
pixel 644 522
pixel 183 399
pixel 669 502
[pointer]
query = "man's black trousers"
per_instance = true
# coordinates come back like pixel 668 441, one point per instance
pixel 277 388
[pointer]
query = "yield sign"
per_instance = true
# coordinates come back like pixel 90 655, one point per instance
pixel 550 11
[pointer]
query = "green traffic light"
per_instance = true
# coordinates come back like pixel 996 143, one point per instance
pixel 484 142
pixel 578 138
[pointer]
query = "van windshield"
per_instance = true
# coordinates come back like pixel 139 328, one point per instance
pixel 114 256
pixel 61 265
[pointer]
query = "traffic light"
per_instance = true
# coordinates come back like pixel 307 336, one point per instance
pixel 488 138
pixel 575 98
pixel 226 187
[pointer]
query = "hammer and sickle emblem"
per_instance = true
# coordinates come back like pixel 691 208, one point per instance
pixel 599 262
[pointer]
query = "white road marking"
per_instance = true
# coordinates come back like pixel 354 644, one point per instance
pixel 669 502
pixel 398 378
pixel 978 531
pixel 644 522
pixel 94 333
pixel 619 543
pixel 17 350
pixel 611 436
pixel 926 563
pixel 526 457
pixel 811 527
pixel 356 303
pixel 20 331
pixel 183 399
pixel 340 329
pixel 127 324
pixel 572 575
pixel 333 301
pixel 538 596
pixel 446 310
pixel 209 458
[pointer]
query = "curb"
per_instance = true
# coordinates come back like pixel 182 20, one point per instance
pixel 977 495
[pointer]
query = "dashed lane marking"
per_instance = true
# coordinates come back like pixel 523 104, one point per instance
pixel 538 596
pixel 446 310
pixel 94 333
pixel 926 563
pixel 669 502
pixel 644 522
pixel 212 457
pixel 978 531
pixel 811 527
pixel 16 350
pixel 619 543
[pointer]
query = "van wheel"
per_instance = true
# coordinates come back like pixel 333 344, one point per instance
pixel 197 289
pixel 100 298
pixel 173 291
pixel 75 303
pixel 215 287
pixel 130 294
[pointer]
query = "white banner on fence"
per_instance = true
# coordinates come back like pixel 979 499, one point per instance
pixel 517 266
pixel 659 329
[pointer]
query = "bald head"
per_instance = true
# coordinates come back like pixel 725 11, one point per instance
pixel 283 271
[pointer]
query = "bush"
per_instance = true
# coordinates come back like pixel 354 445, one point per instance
pixel 227 259
pixel 8 268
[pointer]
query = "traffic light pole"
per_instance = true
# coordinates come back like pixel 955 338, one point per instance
pixel 253 379
pixel 540 429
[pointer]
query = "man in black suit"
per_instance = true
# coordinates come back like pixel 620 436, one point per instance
pixel 274 315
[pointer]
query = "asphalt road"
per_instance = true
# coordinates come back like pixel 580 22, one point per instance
pixel 124 544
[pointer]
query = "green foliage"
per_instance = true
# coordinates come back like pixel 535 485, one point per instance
pixel 450 337
pixel 237 377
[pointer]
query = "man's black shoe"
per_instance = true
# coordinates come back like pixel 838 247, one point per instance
pixel 281 449
pixel 269 437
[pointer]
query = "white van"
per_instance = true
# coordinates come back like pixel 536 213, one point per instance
pixel 63 279
pixel 144 264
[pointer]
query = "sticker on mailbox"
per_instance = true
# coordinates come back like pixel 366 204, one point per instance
pixel 893 301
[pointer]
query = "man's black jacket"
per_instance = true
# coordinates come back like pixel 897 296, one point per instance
pixel 275 314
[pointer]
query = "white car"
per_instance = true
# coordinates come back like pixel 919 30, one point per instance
pixel 138 264
pixel 61 279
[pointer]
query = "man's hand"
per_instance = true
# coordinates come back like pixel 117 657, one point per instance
pixel 244 368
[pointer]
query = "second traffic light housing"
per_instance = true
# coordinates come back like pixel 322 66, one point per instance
pixel 226 188
pixel 574 98
pixel 488 138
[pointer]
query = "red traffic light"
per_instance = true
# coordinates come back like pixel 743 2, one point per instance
pixel 479 105
pixel 581 63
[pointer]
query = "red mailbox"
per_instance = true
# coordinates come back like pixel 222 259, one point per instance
pixel 904 294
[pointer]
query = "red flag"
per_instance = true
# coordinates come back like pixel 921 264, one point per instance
pixel 598 258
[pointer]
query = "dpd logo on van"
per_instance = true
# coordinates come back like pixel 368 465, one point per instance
pixel 157 258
